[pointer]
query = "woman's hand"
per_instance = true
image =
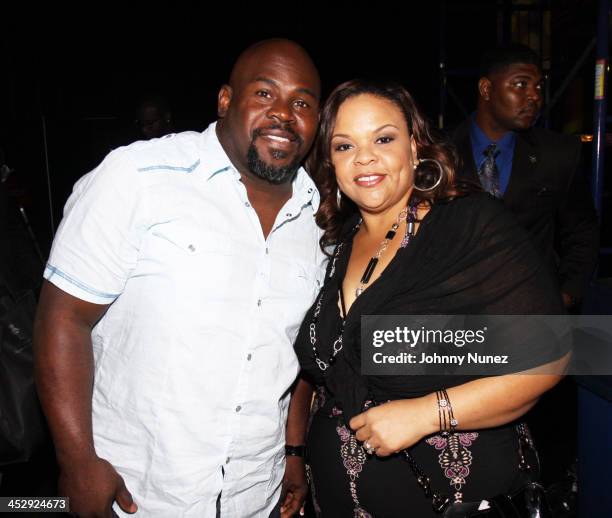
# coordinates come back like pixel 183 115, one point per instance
pixel 393 426
pixel 482 403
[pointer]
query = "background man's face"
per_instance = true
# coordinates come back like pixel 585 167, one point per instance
pixel 515 96
pixel 152 122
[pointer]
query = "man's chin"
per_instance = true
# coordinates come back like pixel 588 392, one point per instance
pixel 276 156
pixel 271 163
pixel 271 169
pixel 525 122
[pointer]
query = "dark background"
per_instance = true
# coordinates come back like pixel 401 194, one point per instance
pixel 70 79
pixel 74 75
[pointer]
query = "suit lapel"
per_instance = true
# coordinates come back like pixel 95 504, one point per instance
pixel 524 164
pixel 464 146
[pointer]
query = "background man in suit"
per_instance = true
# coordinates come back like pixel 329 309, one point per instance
pixel 534 172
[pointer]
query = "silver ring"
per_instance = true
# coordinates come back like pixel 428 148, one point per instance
pixel 368 448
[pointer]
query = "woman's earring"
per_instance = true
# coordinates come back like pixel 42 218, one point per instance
pixel 338 197
pixel 429 177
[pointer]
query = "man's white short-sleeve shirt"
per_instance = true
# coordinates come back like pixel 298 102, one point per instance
pixel 194 356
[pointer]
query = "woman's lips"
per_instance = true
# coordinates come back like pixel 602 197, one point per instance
pixel 369 180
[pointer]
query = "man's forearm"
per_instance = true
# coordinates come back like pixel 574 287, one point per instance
pixel 299 410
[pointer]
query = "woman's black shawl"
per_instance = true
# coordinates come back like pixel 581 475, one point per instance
pixel 469 257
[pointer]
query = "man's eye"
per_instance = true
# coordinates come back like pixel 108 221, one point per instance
pixel 384 140
pixel 520 84
pixel 262 93
pixel 301 104
pixel 342 147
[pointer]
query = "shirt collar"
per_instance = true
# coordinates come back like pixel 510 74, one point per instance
pixel 214 157
pixel 480 141
pixel 216 162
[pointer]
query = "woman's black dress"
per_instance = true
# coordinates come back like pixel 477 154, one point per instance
pixel 469 257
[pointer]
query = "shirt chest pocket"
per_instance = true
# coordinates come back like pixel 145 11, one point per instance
pixel 191 251
pixel 187 237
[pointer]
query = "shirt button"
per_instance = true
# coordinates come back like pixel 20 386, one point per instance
pixel 227 460
pixel 191 248
pixel 238 408
pixel 259 302
pixel 247 204
pixel 289 214
pixel 309 190
pixel 249 356
pixel 267 251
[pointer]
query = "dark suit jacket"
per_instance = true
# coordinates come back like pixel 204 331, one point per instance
pixel 550 199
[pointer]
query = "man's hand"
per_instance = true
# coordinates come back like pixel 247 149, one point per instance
pixel 92 486
pixel 295 486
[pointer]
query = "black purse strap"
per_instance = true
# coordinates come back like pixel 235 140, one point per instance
pixel 441 501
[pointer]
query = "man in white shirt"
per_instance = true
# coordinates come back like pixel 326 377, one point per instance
pixel 174 290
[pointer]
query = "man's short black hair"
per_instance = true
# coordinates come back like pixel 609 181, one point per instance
pixel 499 58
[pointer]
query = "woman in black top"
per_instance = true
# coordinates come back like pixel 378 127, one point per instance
pixel 405 239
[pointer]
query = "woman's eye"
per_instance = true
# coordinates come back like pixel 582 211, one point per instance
pixel 262 93
pixel 384 140
pixel 342 147
pixel 301 104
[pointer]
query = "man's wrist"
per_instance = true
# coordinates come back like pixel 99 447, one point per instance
pixel 295 451
pixel 71 457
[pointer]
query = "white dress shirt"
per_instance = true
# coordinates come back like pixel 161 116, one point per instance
pixel 194 357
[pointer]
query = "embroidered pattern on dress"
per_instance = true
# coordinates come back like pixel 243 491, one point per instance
pixel 353 458
pixel 455 458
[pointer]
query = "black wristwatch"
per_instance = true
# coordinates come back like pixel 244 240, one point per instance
pixel 295 451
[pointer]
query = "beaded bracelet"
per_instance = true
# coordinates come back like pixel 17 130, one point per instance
pixel 446 418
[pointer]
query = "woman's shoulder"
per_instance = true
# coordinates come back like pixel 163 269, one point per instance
pixel 474 208
pixel 473 202
pixel 477 218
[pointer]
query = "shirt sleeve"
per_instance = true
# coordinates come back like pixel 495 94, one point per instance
pixel 96 245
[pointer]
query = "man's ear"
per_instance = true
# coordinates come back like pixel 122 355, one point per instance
pixel 484 88
pixel 223 100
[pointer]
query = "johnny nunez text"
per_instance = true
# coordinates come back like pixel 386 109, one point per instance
pixel 435 358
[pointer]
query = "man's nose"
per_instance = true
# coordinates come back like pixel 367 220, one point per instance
pixel 534 93
pixel 281 110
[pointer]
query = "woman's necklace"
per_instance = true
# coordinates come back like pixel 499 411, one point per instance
pixel 369 269
pixel 410 215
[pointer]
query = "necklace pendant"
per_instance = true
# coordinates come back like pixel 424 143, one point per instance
pixel 358 292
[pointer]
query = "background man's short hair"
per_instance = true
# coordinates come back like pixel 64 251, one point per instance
pixel 497 59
